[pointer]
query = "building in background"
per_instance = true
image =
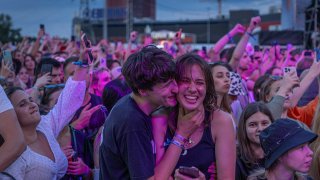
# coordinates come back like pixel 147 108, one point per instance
pixel 144 21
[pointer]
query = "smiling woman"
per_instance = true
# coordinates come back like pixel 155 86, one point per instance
pixel 43 158
pixel 213 137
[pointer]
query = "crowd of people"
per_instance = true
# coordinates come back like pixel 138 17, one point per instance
pixel 142 111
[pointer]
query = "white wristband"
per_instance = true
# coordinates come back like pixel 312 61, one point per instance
pixel 5 103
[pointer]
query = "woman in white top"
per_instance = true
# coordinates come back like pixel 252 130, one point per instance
pixel 43 158
pixel 9 127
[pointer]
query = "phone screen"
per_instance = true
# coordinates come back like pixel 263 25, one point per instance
pixel 87 44
pixel 46 68
pixel 7 58
pixel 189 171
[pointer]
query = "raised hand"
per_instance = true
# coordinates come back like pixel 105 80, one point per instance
pixel 133 36
pixel 85 115
pixel 237 29
pixel 6 69
pixel 43 80
pixel 188 123
pixel 255 21
pixel 177 38
pixel 68 151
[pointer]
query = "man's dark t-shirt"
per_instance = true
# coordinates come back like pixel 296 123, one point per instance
pixel 127 149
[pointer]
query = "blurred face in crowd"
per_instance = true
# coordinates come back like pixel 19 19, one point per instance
pixel 291 62
pixel 38 56
pixel 221 78
pixel 95 51
pixel 104 78
pixel 29 63
pixel 69 71
pixel 254 125
pixel 274 88
pixel 114 65
pixel 56 75
pixel 26 109
pixel 256 59
pixel 298 159
pixel 244 63
pixel 192 88
pixel 53 99
pixel 277 72
pixel 23 75
pixel 18 55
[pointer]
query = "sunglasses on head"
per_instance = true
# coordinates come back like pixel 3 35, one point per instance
pixel 275 78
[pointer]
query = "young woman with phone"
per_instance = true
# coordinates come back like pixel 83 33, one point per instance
pixel 271 86
pixel 214 138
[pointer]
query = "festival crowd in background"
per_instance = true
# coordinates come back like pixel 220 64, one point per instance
pixel 75 110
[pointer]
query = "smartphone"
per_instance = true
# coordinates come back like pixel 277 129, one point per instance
pixel 46 68
pixel 87 44
pixel 287 70
pixel 42 27
pixel 7 58
pixel 189 171
pixel 73 38
pixel 307 53
pixel 74 156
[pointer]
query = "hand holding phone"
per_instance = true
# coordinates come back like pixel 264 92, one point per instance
pixel 178 34
pixel 189 171
pixel 46 68
pixel 7 59
pixel 133 36
pixel 287 70
pixel 87 45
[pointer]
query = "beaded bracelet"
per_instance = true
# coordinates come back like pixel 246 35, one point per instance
pixel 251 35
pixel 177 143
pixel 230 38
pixel 181 138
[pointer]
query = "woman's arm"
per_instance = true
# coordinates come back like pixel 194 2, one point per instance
pixel 238 28
pixel 159 127
pixel 187 124
pixel 241 46
pixel 70 100
pixel 314 71
pixel 11 133
pixel 224 138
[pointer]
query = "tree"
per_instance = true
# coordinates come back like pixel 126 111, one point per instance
pixel 7 33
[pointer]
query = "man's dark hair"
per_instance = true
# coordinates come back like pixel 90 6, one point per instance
pixel 148 67
pixel 55 64
pixel 110 62
pixel 114 91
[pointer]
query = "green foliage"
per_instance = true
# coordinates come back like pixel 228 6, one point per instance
pixel 7 33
